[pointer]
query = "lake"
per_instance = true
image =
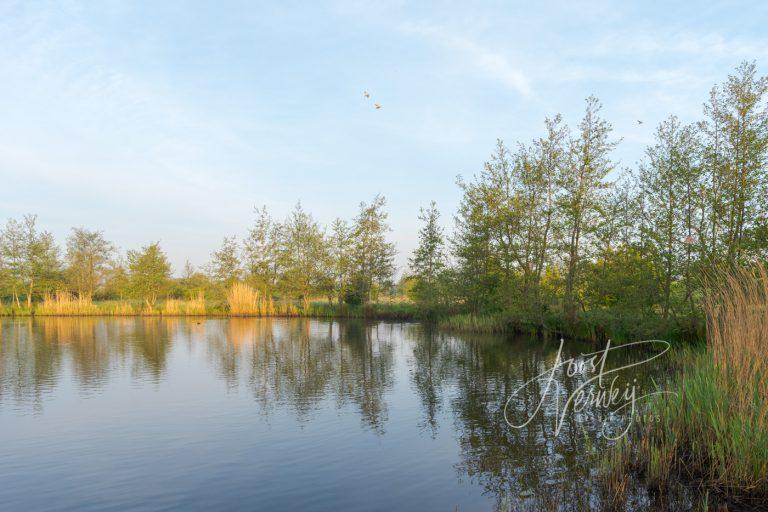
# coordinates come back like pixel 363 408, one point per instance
pixel 287 414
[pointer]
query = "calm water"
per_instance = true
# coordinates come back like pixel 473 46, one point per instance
pixel 259 414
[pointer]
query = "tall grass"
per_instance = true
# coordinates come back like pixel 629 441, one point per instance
pixel 196 306
pixel 488 323
pixel 66 304
pixel 243 300
pixel 715 428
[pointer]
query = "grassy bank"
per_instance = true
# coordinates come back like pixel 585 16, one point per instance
pixel 593 325
pixel 713 432
pixel 241 302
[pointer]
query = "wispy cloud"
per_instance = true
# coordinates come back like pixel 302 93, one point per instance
pixel 493 64
pixel 649 42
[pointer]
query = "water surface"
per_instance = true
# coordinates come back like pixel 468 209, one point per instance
pixel 282 414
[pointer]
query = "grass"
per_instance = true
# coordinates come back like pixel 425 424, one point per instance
pixel 596 325
pixel 65 304
pixel 176 307
pixel 486 323
pixel 241 300
pixel 714 430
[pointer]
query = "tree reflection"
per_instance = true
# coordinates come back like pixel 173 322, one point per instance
pixel 530 468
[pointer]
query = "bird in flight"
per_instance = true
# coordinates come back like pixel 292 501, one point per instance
pixel 377 106
pixel 639 122
pixel 366 95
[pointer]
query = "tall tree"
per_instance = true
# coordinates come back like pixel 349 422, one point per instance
pixel 372 255
pixel 30 258
pixel 225 267
pixel 428 260
pixel 303 256
pixel 149 273
pixel 339 253
pixel 590 162
pixel 736 135
pixel 88 255
pixel 670 182
pixel 261 252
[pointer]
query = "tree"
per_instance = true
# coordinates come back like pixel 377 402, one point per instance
pixel 149 273
pixel 303 256
pixel 736 147
pixel 224 266
pixel 580 203
pixel 193 282
pixel 428 260
pixel 339 254
pixel 261 253
pixel 372 255
pixel 117 280
pixel 670 182
pixel 88 255
pixel 30 258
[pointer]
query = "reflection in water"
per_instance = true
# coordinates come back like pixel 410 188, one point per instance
pixel 456 386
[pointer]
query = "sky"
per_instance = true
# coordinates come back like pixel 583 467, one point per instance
pixel 171 121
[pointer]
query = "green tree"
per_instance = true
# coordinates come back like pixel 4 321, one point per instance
pixel 88 255
pixel 736 145
pixel 340 258
pixel 372 255
pixel 30 259
pixel 149 273
pixel 225 267
pixel 428 260
pixel 261 251
pixel 582 184
pixel 303 257
pixel 670 182
pixel 193 281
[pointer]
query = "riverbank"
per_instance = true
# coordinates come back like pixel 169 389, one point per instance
pixel 591 326
pixel 711 430
pixel 180 308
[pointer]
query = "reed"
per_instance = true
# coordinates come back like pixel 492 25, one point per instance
pixel 714 429
pixel 196 306
pixel 489 323
pixel 243 300
pixel 64 303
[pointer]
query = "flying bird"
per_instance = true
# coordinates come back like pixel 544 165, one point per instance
pixel 639 122
pixel 366 95
pixel 377 106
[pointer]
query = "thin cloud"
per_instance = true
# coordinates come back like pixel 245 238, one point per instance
pixel 493 64
pixel 693 44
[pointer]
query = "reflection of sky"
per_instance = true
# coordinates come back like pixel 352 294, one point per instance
pixel 292 414
pixel 171 120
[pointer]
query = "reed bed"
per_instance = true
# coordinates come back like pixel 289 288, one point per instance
pixel 66 304
pixel 196 306
pixel 490 323
pixel 243 300
pixel 714 430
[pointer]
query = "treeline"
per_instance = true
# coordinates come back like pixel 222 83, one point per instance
pixel 294 259
pixel 547 234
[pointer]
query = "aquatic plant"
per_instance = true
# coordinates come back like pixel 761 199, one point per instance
pixel 714 427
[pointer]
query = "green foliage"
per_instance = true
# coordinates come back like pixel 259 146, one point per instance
pixel 88 256
pixel 542 235
pixel 29 260
pixel 303 257
pixel 428 262
pixel 149 273
pixel 372 256
pixel 225 266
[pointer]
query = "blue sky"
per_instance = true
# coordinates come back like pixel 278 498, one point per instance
pixel 171 120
